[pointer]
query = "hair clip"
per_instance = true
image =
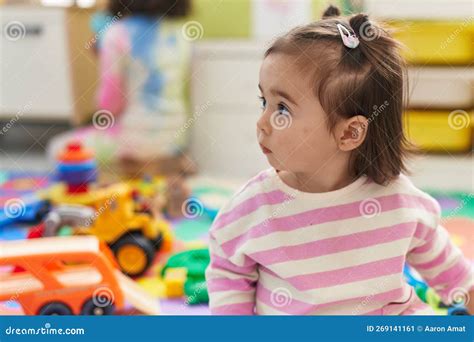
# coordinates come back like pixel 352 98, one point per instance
pixel 349 38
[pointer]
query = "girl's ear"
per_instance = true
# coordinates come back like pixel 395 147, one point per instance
pixel 351 132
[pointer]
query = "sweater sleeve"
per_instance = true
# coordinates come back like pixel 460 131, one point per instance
pixel 231 287
pixel 440 262
pixel 112 88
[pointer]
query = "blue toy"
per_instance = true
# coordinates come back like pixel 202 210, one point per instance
pixel 30 208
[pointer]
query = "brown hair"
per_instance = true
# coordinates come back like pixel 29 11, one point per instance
pixel 169 8
pixel 367 80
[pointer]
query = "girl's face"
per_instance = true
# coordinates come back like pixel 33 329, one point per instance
pixel 292 129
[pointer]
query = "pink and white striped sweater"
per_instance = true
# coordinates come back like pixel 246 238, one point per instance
pixel 275 250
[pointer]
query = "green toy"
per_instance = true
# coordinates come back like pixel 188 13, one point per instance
pixel 195 261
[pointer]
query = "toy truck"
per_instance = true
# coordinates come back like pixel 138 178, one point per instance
pixel 134 237
pixel 66 276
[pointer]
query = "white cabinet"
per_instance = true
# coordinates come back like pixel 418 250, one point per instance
pixel 33 65
pixel 46 70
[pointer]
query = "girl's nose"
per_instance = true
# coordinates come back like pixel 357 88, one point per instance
pixel 263 124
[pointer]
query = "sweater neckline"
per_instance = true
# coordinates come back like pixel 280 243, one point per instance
pixel 344 191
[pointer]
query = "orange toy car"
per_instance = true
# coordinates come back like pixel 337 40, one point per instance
pixel 65 276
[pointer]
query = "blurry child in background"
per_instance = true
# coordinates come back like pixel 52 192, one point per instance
pixel 144 70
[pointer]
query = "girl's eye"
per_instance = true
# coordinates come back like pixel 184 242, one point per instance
pixel 283 110
pixel 263 102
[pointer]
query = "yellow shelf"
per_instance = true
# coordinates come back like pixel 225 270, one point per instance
pixel 440 131
pixel 436 42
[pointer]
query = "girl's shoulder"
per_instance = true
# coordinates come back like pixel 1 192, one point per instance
pixel 247 199
pixel 260 183
pixel 406 191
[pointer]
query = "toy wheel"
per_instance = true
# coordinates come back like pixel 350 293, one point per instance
pixel 55 308
pixel 98 307
pixel 134 254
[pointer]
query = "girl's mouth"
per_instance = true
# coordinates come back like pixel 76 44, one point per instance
pixel 265 150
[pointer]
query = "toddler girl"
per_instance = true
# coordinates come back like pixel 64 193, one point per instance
pixel 329 227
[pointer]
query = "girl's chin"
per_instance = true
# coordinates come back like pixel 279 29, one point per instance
pixel 274 162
